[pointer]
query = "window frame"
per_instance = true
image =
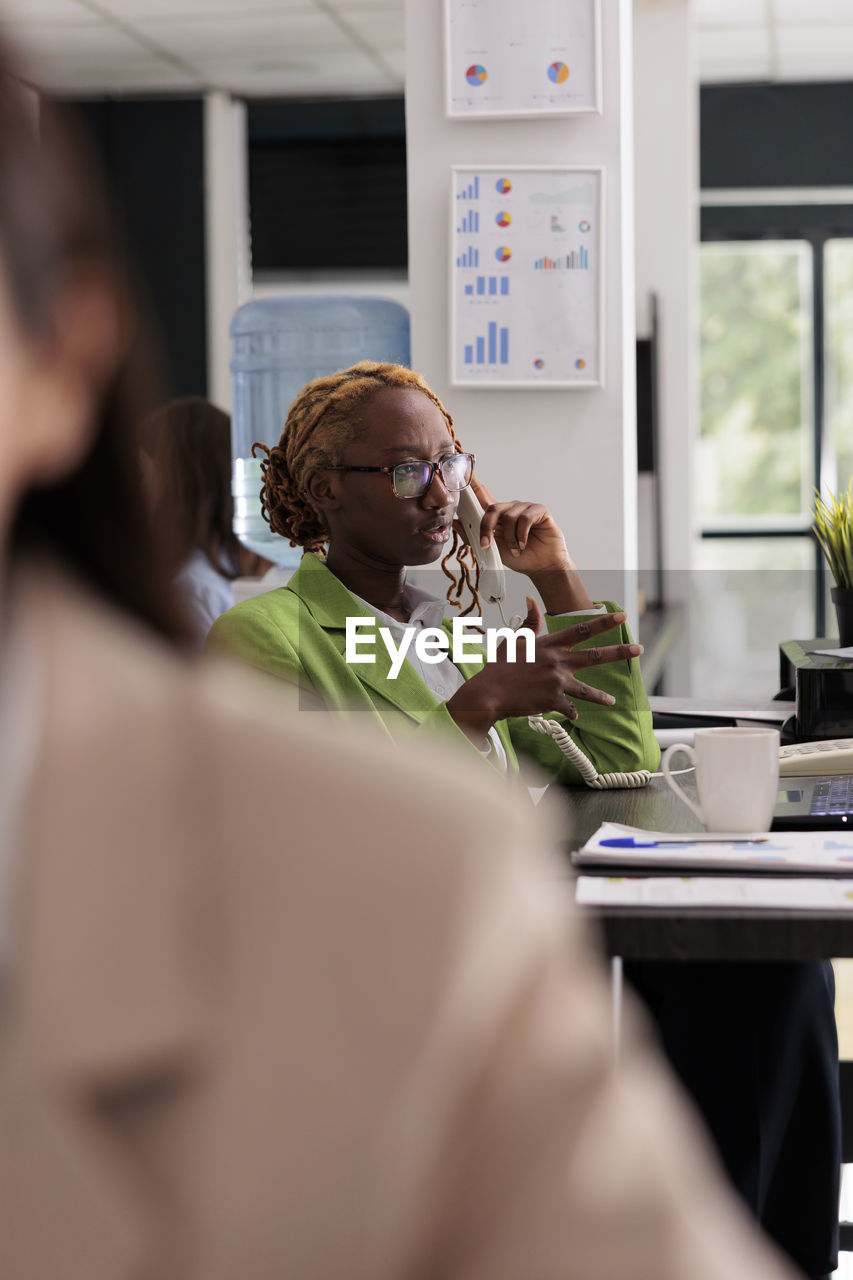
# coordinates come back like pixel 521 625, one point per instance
pixel 753 216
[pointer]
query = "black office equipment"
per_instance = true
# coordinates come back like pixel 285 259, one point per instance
pixel 823 689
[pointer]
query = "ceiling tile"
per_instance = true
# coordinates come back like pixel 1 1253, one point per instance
pixel 237 36
pixel 382 27
pixel 138 11
pixel 750 43
pixel 811 11
pixel 395 60
pixel 334 74
pixel 41 11
pixel 347 8
pixel 816 42
pixel 749 72
pixel 730 13
pixel 808 70
pixel 148 76
pixel 95 43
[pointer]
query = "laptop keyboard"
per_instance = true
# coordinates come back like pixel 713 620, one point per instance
pixel 832 798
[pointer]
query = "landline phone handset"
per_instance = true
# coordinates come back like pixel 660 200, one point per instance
pixel 492 586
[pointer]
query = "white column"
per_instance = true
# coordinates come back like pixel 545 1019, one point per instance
pixel 227 242
pixel 666 121
pixel 574 450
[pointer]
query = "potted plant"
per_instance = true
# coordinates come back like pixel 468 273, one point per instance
pixel 833 526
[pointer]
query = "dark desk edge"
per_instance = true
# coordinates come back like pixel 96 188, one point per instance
pixel 651 934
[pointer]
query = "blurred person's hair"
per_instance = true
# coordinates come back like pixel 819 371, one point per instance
pixel 189 444
pixel 57 228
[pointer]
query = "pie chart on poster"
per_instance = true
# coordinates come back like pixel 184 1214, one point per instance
pixel 503 185
pixel 476 75
pixel 503 219
pixel 558 73
pixel 502 253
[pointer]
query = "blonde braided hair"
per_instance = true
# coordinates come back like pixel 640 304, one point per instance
pixel 320 422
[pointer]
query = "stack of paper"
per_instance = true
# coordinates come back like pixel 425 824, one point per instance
pixel 760 871
pixel 765 893
pixel 821 852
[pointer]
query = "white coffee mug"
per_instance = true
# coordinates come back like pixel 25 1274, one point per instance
pixel 737 776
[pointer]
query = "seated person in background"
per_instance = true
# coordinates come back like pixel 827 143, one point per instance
pixel 369 464
pixel 186 449
pixel 368 470
pixel 363 1043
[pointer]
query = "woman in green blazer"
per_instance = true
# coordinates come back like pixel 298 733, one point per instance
pixel 326 488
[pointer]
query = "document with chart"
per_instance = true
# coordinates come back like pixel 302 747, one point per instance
pixel 522 57
pixel 526 276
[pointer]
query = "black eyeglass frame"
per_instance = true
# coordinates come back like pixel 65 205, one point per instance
pixel 434 469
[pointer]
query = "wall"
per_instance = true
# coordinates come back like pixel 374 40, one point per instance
pixel 666 167
pixel 666 141
pixel 573 450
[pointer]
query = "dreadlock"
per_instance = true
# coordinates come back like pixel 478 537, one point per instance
pixel 321 421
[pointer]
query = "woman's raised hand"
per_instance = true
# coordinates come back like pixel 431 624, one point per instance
pixel 525 533
pixel 529 539
pixel 548 683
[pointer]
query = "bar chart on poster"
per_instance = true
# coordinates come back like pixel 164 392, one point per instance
pixel 526 276
pixel 522 57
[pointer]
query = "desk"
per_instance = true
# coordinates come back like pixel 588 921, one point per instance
pixel 658 934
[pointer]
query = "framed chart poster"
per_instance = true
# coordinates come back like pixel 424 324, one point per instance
pixel 526 276
pixel 522 57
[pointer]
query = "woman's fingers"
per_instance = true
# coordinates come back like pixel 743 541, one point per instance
pixel 567 707
pixel 531 515
pixel 515 523
pixel 589 627
pixel 491 516
pixel 573 688
pixel 512 522
pixel 607 653
pixel 533 621
pixel 567 640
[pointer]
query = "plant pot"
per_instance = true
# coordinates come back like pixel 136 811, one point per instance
pixel 842 598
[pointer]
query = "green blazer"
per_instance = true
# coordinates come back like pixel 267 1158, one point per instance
pixel 297 633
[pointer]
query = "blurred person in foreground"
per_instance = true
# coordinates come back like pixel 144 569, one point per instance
pixel 369 477
pixel 186 454
pixel 369 1041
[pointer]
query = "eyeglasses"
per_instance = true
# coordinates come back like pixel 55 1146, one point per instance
pixel 412 479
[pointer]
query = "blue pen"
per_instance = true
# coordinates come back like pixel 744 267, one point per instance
pixel 629 842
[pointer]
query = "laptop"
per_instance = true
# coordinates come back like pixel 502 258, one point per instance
pixel 820 801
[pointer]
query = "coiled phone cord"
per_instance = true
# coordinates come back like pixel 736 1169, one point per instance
pixel 570 749
pixel 585 767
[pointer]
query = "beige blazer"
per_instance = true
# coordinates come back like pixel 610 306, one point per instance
pixel 281 1005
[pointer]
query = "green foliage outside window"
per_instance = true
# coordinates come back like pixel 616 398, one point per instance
pixel 839 356
pixel 755 379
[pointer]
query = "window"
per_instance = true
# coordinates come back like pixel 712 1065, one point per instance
pixel 755 458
